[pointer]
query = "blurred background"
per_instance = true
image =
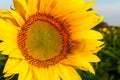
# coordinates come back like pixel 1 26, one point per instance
pixel 109 67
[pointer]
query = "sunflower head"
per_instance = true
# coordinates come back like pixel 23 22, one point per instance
pixel 49 38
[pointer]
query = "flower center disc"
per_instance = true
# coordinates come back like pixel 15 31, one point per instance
pixel 43 41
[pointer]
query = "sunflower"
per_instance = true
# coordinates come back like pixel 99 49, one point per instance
pixel 49 39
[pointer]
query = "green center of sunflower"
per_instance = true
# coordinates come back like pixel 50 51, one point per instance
pixel 43 40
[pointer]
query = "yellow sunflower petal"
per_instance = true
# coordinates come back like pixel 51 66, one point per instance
pixel 53 73
pixel 33 6
pixel 92 23
pixel 54 7
pixel 88 5
pixel 8 74
pixel 22 8
pixel 46 5
pixel 10 29
pixel 5 14
pixel 86 24
pixel 2 46
pixel 2 11
pixel 67 72
pixel 8 45
pixel 41 73
pixel 87 34
pixel 45 74
pixel 70 7
pixel 36 73
pixel 77 17
pixel 88 45
pixel 79 62
pixel 89 57
pixel 19 8
pixel 7 36
pixel 81 12
pixel 17 16
pixel 14 66
pixel 99 48
pixel 7 48
pixel 16 54
pixel 84 20
pixel 92 45
pixel 26 74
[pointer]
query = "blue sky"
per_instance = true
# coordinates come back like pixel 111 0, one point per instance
pixel 109 8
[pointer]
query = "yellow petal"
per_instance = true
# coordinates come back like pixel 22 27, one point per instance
pixel 2 46
pixel 3 11
pixel 40 74
pixel 67 72
pixel 87 34
pixel 88 5
pixel 16 54
pixel 89 45
pixel 99 48
pixel 33 6
pixel 8 74
pixel 17 17
pixel 9 29
pixel 13 66
pixel 7 48
pixel 36 73
pixel 54 7
pixel 53 73
pixel 26 74
pixel 85 22
pixel 5 14
pixel 46 5
pixel 89 57
pixel 45 73
pixel 22 8
pixel 8 36
pixel 19 8
pixel 78 15
pixel 92 44
pixel 78 62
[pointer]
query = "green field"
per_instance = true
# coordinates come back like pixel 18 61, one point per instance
pixel 109 67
